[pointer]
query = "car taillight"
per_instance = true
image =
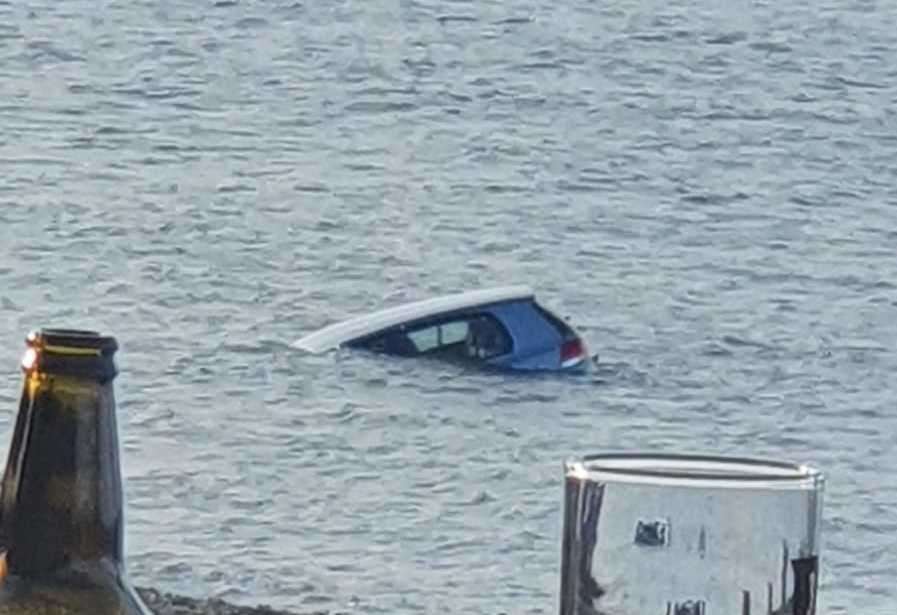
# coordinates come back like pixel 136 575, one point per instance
pixel 572 351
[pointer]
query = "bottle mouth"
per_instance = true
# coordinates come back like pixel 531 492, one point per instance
pixel 74 352
pixel 61 341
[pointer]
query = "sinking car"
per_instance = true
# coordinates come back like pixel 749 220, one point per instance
pixel 501 327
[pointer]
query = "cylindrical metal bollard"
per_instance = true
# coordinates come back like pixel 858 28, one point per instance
pixel 661 534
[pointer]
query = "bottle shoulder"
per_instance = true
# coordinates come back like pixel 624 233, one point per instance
pixel 69 596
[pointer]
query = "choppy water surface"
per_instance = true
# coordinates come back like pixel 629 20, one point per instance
pixel 706 192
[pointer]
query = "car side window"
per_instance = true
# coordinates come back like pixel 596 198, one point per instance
pixel 454 332
pixel 425 339
pixel 479 336
pixel 393 342
pixel 439 336
pixel 486 337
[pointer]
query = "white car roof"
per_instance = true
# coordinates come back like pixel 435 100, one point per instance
pixel 336 334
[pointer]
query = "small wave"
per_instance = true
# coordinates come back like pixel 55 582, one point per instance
pixel 248 23
pixel 45 50
pixel 770 47
pixel 380 107
pixel 716 350
pixel 315 188
pixel 444 19
pixel 740 342
pixel 482 497
pixel 512 21
pixel 868 85
pixel 650 38
pixel 229 188
pixel 727 39
pixel 505 189
pixel 8 32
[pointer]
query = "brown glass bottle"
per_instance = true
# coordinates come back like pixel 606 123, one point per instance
pixel 61 501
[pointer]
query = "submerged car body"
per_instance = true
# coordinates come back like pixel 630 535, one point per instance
pixel 500 327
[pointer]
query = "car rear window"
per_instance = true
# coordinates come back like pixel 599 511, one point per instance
pixel 559 325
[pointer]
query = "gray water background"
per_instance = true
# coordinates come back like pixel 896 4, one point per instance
pixel 704 189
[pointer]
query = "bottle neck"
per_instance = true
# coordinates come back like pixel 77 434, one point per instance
pixel 62 494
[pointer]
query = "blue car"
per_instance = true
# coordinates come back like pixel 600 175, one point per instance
pixel 499 327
